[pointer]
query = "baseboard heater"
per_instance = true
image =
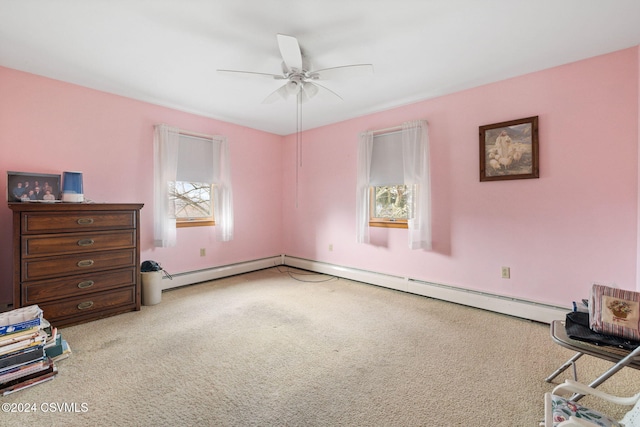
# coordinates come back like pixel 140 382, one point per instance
pixel 205 275
pixel 525 309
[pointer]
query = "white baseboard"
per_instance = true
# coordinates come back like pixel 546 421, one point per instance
pixel 525 309
pixel 198 276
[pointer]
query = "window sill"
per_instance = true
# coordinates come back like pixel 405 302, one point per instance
pixel 194 223
pixel 389 224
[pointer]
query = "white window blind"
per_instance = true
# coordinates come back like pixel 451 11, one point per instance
pixel 386 160
pixel 196 157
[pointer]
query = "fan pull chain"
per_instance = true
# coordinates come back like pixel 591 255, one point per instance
pixel 298 141
pixel 300 125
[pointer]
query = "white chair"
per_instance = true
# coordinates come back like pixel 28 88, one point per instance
pixel 561 412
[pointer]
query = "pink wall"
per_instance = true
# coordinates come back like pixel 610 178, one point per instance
pixel 575 225
pixel 47 126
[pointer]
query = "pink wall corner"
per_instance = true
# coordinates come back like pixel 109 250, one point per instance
pixel 50 126
pixel 575 225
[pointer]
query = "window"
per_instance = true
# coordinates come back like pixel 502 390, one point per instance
pixel 391 200
pixel 190 196
pixel 393 178
pixel 196 169
pixel 191 203
pixel 390 205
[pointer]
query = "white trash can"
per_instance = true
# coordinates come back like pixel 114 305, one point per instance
pixel 151 287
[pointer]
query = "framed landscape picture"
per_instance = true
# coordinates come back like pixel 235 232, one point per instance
pixel 509 150
pixel 33 187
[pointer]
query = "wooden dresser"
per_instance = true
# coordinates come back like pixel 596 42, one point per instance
pixel 77 261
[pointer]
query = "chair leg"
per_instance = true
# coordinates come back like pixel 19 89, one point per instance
pixel 548 411
pixel 610 372
pixel 561 369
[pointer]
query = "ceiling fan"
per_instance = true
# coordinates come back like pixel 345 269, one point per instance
pixel 301 82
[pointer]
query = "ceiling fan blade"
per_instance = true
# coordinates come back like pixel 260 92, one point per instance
pixel 281 93
pixel 253 73
pixel 290 51
pixel 344 71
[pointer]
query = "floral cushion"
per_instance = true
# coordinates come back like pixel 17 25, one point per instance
pixel 563 409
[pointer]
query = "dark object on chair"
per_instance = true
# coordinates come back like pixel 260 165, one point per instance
pixel 577 326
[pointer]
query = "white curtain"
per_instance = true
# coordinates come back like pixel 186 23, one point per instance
pixel 222 193
pixel 365 150
pixel 415 153
pixel 166 143
pixel 165 165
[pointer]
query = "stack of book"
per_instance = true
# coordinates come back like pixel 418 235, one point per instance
pixel 56 347
pixel 29 347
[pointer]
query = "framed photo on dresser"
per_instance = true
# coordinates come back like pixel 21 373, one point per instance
pixel 33 187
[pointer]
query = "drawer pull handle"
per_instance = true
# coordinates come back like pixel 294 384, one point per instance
pixel 86 284
pixel 85 305
pixel 86 242
pixel 85 263
pixel 85 221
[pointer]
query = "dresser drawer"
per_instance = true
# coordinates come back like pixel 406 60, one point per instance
pixel 54 222
pixel 56 266
pixel 71 286
pixel 89 303
pixel 60 244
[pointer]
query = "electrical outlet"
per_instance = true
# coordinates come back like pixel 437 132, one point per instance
pixel 203 252
pixel 506 272
pixel 330 247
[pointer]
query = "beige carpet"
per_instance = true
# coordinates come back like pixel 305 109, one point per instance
pixel 264 349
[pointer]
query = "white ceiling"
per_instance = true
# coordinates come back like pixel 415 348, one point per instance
pixel 167 51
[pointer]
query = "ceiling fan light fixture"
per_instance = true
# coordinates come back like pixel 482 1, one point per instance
pixel 310 90
pixel 292 87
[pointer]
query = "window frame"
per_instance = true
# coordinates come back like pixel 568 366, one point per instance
pixel 197 221
pixel 204 221
pixel 390 174
pixel 180 223
pixel 381 221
